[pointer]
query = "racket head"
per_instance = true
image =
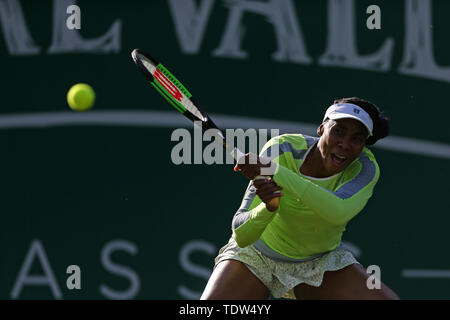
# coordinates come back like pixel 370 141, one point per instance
pixel 170 88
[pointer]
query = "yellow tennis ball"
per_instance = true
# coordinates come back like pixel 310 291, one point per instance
pixel 81 97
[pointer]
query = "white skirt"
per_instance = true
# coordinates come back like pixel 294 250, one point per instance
pixel 281 277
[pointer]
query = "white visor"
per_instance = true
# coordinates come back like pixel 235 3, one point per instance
pixel 349 110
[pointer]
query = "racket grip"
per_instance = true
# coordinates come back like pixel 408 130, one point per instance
pixel 236 154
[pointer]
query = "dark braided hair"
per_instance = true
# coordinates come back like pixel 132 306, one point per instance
pixel 380 122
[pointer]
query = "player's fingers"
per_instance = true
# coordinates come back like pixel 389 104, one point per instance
pixel 260 184
pixel 268 198
pixel 265 192
pixel 268 192
pixel 264 180
pixel 249 171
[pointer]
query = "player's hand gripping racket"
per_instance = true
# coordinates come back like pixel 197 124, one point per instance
pixel 181 99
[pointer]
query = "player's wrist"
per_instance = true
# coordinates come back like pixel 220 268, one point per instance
pixel 272 209
pixel 273 204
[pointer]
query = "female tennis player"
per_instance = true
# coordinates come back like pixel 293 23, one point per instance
pixel 293 249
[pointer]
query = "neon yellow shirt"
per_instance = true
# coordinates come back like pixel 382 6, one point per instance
pixel 313 212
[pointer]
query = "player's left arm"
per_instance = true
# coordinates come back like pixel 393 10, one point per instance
pixel 251 219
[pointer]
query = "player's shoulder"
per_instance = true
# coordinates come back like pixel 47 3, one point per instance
pixel 367 156
pixel 364 165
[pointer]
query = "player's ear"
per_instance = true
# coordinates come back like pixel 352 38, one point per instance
pixel 320 129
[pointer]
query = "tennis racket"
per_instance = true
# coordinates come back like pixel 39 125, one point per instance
pixel 181 99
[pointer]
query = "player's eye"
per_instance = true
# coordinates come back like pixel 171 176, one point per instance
pixel 359 139
pixel 339 131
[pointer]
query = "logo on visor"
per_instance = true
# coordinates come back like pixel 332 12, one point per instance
pixel 356 111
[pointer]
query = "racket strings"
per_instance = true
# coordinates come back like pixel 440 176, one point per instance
pixel 182 103
pixel 174 80
pixel 185 103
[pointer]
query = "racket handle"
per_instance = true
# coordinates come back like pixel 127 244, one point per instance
pixel 236 154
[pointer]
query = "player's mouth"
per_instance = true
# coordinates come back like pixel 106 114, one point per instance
pixel 338 159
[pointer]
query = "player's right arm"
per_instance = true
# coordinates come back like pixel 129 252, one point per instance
pixel 253 216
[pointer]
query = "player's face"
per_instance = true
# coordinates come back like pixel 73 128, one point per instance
pixel 341 142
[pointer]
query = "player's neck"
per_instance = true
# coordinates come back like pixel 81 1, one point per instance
pixel 313 166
